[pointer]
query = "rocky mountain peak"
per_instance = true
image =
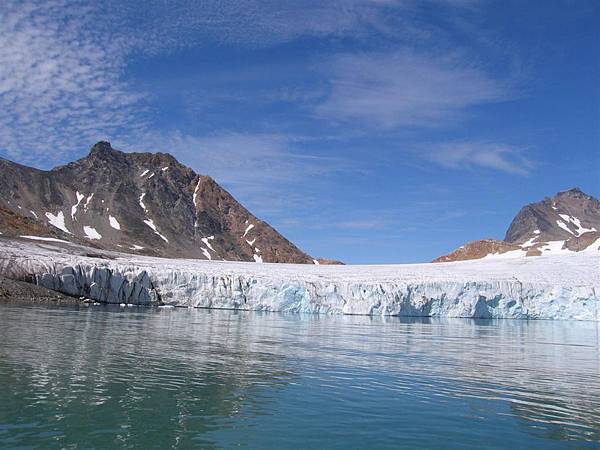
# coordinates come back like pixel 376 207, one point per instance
pixel 101 148
pixel 573 192
pixel 146 203
pixel 569 221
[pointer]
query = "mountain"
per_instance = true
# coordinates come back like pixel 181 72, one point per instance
pixel 146 203
pixel 567 222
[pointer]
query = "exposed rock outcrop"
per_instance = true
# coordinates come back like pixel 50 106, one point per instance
pixel 567 222
pixel 143 203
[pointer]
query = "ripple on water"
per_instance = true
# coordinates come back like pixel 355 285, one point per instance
pixel 199 378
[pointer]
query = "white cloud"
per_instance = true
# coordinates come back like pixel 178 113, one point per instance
pixel 470 155
pixel 405 89
pixel 255 166
pixel 62 62
pixel 60 82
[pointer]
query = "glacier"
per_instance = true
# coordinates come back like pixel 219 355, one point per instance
pixel 544 287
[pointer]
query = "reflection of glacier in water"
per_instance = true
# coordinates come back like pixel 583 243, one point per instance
pixel 196 378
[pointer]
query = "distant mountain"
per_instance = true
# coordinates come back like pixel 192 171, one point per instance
pixel 567 222
pixel 146 203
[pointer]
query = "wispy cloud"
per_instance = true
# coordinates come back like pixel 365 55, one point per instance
pixel 470 155
pixel 60 85
pixel 406 89
pixel 255 166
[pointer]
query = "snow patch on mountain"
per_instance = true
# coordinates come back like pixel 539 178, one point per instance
pixel 248 228
pixel 206 253
pixel 575 221
pixel 530 242
pixel 91 233
pixel 76 205
pixel 207 243
pixel 506 255
pixel 150 223
pixel 43 238
pixel 554 248
pixel 114 222
pixel 141 201
pixel 58 220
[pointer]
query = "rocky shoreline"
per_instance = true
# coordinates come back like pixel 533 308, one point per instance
pixel 12 291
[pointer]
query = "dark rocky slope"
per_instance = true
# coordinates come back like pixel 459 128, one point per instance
pixel 145 203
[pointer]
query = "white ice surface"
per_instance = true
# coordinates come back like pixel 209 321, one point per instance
pixel 542 287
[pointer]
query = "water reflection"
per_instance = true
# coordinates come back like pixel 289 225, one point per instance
pixel 199 378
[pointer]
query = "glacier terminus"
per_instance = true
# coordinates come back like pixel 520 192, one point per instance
pixel 544 287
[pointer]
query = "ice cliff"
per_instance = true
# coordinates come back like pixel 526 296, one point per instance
pixel 544 287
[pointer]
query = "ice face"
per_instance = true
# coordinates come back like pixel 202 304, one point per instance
pixel 544 287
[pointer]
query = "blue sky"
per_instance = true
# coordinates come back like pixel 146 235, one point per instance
pixel 371 131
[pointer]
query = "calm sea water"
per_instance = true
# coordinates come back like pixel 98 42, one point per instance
pixel 107 377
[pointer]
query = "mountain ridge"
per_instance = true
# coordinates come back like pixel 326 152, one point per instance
pixel 567 222
pixel 146 203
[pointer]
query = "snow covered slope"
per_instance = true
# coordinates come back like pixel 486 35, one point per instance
pixel 569 222
pixel 546 287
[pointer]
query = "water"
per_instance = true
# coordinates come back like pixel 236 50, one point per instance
pixel 107 377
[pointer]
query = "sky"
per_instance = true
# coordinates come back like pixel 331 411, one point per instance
pixel 369 131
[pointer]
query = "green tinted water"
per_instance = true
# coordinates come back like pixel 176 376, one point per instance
pixel 101 377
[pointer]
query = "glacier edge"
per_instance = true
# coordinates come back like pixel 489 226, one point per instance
pixel 557 287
